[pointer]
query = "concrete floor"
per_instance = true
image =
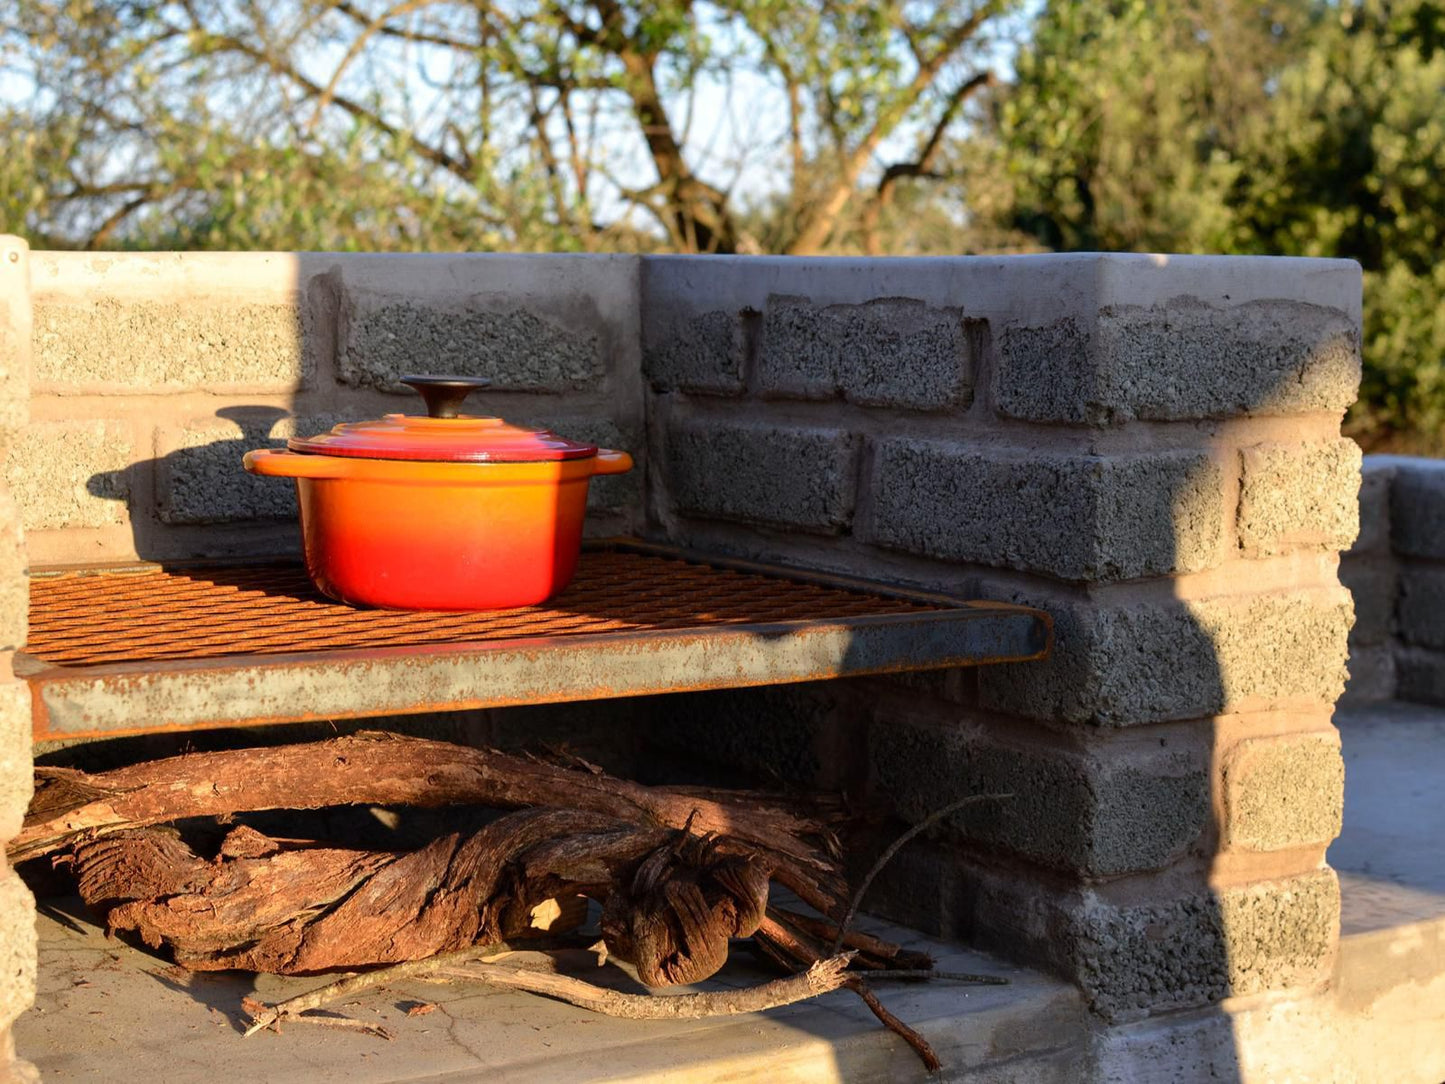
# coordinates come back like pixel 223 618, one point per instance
pixel 106 1011
pixel 1391 854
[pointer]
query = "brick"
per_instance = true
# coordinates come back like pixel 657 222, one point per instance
pixel 1299 496
pixel 1372 675
pixel 1283 792
pixel 1156 661
pixel 501 338
pixel 17 774
pixel 1417 508
pixel 1372 583
pixel 14 587
pixel 704 353
pixel 1421 605
pixel 800 477
pixel 1377 474
pixel 886 352
pixel 71 474
pixel 17 948
pixel 1118 812
pixel 112 344
pixel 1180 360
pixel 1205 946
pixel 1075 517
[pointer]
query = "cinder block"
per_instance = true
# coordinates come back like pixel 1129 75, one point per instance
pixel 608 493
pixel 1075 517
pixel 17 774
pixel 886 352
pixel 1150 662
pixel 71 474
pixel 14 586
pixel 17 948
pixel 1420 675
pixel 699 353
pixel 1205 946
pixel 799 477
pixel 1421 607
pixel 1118 812
pixel 1283 792
pixel 1299 496
pixel 1372 582
pixel 540 324
pixel 199 478
pixel 1180 360
pixel 112 344
pixel 1417 508
pixel 1372 675
pixel 1377 474
pixel 790 734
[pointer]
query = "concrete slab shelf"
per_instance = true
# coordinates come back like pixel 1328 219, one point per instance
pixel 145 648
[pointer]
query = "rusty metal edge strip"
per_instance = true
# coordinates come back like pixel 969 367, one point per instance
pixel 112 700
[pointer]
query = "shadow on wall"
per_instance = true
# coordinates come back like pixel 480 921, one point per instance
pixel 197 501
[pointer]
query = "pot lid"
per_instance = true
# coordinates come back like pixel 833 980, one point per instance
pixel 444 435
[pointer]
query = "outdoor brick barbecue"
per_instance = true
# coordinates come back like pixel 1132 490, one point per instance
pixel 1145 448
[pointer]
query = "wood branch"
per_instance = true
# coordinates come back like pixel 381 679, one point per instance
pixel 673 901
pixel 264 1016
pixel 354 50
pixel 873 952
pixel 897 845
pixel 820 978
pixel 385 769
pixel 209 41
pixel 787 945
pixel 824 214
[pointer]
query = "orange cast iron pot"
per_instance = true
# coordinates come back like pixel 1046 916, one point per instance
pixel 435 535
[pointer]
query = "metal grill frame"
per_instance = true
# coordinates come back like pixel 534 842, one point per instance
pixel 149 696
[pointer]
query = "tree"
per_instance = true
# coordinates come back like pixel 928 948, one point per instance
pixel 1238 127
pixel 547 124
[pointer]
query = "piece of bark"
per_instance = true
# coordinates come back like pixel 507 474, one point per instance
pixel 386 769
pixel 259 906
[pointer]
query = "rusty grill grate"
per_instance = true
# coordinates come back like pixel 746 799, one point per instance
pixel 94 617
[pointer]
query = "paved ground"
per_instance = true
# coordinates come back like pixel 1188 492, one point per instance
pixel 1391 854
pixel 108 1012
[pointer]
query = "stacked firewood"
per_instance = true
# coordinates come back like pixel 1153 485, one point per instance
pixel 679 872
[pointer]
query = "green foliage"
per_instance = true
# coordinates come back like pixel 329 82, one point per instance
pixel 1289 129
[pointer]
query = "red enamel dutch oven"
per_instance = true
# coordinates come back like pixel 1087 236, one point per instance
pixel 444 512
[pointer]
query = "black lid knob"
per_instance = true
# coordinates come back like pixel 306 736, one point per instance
pixel 444 394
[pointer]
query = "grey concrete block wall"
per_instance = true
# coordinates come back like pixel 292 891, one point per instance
pixel 1021 429
pixel 1396 570
pixel 1081 517
pixel 796 477
pixel 1201 629
pixel 538 324
pixel 1255 357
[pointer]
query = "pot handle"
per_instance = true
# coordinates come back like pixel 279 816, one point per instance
pixel 611 462
pixel 279 463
